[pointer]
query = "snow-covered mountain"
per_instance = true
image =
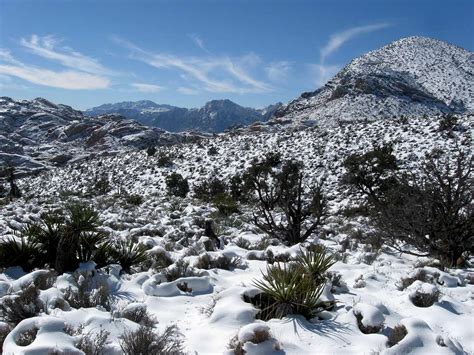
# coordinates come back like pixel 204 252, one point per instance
pixel 412 76
pixel 214 116
pixel 37 134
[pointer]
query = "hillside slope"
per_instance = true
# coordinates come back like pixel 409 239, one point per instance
pixel 38 134
pixel 412 76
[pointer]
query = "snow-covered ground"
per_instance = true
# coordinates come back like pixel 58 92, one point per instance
pixel 369 294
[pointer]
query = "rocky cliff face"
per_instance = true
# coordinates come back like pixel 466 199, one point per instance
pixel 412 76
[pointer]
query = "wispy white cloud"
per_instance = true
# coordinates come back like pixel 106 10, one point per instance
pixel 215 74
pixel 187 90
pixel 65 79
pixel 322 71
pixel 60 79
pixel 198 41
pixel 147 88
pixel 336 40
pixel 48 47
pixel 278 71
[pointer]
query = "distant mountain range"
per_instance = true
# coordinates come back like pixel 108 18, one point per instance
pixel 215 116
pixel 37 134
pixel 412 76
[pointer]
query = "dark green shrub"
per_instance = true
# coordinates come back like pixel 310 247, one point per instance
pixel 430 212
pixel 177 185
pixel 212 151
pixel 447 123
pixel 164 160
pixel 150 151
pixel 207 190
pixel 282 193
pixel 371 173
pixel 134 199
pixel 225 204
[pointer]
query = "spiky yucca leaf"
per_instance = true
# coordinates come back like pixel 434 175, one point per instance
pixel 316 262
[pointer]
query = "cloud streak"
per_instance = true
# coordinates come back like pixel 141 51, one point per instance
pixel 46 47
pixel 322 71
pixel 336 40
pixel 147 88
pixel 85 72
pixel 214 74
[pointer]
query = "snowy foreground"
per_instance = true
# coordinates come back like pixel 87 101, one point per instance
pixel 367 283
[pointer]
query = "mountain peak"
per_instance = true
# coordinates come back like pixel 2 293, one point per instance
pixel 411 76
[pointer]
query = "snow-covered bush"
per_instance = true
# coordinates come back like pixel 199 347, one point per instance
pixel 145 340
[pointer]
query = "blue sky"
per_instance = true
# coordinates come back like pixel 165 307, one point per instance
pixel 184 53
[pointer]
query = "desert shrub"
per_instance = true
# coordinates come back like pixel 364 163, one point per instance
pixel 207 190
pixel 90 292
pixel 447 123
pixel 371 172
pixel 366 329
pixel 203 262
pixel 164 160
pixel 225 204
pixel 212 151
pixel 150 151
pixel 226 262
pixel 128 254
pixel 177 185
pixel 140 315
pixel 396 335
pixel 424 299
pixel 242 243
pixel 420 275
pixel 282 193
pixel 145 340
pixel 432 212
pixel 259 335
pixel 20 305
pixel 93 343
pixel 4 331
pixel 27 337
pixel 134 199
pixel 101 186
pixel 177 270
pixel 158 260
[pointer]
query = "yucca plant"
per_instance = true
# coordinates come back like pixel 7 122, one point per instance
pixel 128 254
pixel 316 262
pixel 289 289
pixel 22 252
pixel 294 288
pixel 89 245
